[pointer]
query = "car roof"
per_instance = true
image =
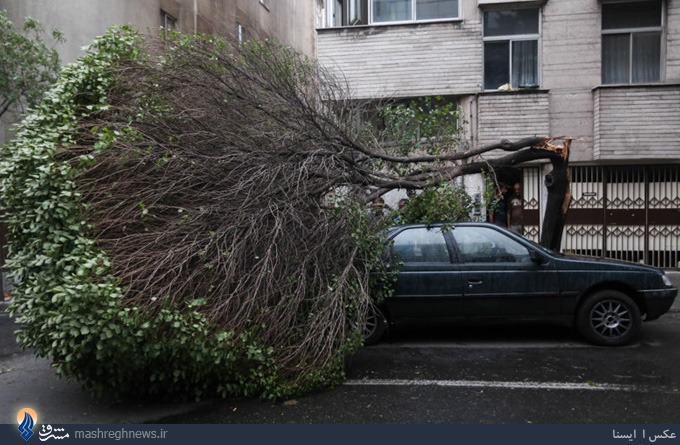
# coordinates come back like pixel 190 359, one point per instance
pixel 399 228
pixel 440 224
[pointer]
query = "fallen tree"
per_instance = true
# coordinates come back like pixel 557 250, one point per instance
pixel 186 216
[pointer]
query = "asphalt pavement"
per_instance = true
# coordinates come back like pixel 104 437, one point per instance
pixel 27 381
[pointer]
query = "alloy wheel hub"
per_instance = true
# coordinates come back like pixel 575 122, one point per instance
pixel 611 319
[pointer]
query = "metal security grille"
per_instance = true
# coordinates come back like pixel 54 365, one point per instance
pixel 532 183
pixel 625 212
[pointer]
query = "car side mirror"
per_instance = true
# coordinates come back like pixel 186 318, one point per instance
pixel 537 258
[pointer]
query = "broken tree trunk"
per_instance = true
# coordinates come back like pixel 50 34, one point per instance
pixel 559 197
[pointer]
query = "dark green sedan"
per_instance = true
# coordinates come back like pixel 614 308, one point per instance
pixel 479 272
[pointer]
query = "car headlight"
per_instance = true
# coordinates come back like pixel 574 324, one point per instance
pixel 667 281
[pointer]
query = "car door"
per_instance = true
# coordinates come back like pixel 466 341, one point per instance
pixel 428 283
pixel 501 276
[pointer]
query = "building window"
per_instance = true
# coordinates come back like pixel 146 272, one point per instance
pixel 168 23
pixel 511 48
pixel 631 42
pixel 364 12
pixel 392 10
pixel 348 12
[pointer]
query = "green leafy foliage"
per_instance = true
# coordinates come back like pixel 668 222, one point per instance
pixel 28 66
pixel 429 124
pixel 440 204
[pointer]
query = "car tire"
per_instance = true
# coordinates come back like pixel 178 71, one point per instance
pixel 609 318
pixel 375 326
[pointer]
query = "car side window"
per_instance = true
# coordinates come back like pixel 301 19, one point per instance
pixel 421 245
pixel 484 245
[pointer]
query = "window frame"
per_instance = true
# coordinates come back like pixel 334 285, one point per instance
pixel 451 257
pixel 330 6
pixel 510 39
pixel 630 32
pixel 168 23
pixel 462 256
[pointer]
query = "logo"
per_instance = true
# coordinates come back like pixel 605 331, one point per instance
pixel 26 418
pixel 48 432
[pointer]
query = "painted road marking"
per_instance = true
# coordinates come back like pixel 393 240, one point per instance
pixel 588 386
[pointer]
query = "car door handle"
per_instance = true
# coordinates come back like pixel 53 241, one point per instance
pixel 474 282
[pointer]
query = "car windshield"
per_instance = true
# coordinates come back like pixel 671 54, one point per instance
pixel 544 249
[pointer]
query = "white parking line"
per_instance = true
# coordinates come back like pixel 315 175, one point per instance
pixel 497 384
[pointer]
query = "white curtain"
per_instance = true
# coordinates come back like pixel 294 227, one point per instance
pixel 525 64
pixel 646 57
pixel 615 58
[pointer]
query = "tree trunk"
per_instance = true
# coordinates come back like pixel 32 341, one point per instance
pixel 559 197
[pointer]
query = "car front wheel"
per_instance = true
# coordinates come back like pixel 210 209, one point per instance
pixel 609 318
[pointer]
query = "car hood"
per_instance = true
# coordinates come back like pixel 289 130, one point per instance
pixel 606 264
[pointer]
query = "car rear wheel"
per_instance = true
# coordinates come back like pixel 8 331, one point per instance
pixel 375 326
pixel 609 318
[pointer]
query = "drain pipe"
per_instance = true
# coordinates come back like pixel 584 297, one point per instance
pixel 195 16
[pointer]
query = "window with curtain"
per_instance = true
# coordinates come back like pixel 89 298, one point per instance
pixel 356 12
pixel 413 10
pixel 511 48
pixel 436 9
pixel 391 10
pixel 631 42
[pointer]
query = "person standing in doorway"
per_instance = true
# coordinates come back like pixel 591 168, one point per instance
pixel 516 209
pixel 377 210
pixel 498 208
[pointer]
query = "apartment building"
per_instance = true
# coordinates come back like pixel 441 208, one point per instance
pixel 290 21
pixel 81 21
pixel 604 72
